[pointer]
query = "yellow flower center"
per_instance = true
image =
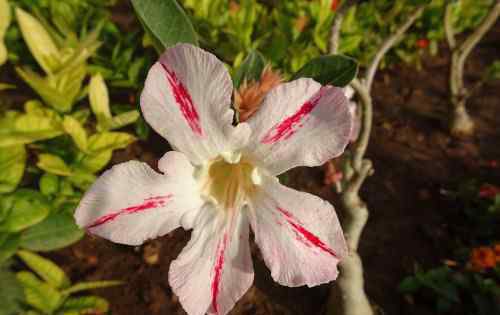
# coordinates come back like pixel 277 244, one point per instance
pixel 229 184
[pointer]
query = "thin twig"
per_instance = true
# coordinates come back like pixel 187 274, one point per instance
pixel 337 25
pixel 448 26
pixel 472 40
pixel 388 43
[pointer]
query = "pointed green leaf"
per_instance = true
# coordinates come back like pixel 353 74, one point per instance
pixel 5 18
pixel 166 22
pixel 85 305
pixel 106 141
pixel 337 70
pixel 49 184
pixel 123 119
pixel 76 131
pixel 99 99
pixel 53 164
pixel 93 163
pixel 83 286
pixel 12 164
pixel 17 128
pixel 38 40
pixel 38 294
pixel 58 230
pixel 45 269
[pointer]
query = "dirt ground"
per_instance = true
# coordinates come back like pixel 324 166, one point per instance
pixel 415 161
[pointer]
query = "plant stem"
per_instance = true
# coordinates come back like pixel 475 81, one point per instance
pixel 337 25
pixel 388 44
pixel 461 124
pixel 347 295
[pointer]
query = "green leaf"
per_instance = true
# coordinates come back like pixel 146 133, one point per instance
pixel 5 18
pixel 58 230
pixel 9 243
pixel 337 70
pixel 12 164
pixel 106 141
pixel 76 131
pixel 53 164
pixel 17 128
pixel 82 179
pixel 96 162
pixel 85 305
pixel 38 40
pixel 166 22
pixel 45 269
pixel 83 286
pixel 250 69
pixel 25 208
pixel 99 99
pixel 123 119
pixel 11 293
pixel 409 285
pixel 49 184
pixel 38 294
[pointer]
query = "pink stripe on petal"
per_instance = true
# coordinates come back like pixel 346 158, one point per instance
pixel 304 235
pixel 219 264
pixel 285 129
pixel 149 203
pixel 184 100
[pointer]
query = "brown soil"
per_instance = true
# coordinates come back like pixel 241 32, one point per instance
pixel 415 160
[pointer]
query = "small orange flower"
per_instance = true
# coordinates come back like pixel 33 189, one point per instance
pixel 250 95
pixel 483 258
pixel 234 7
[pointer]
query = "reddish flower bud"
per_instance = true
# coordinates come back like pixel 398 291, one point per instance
pixel 335 5
pixel 422 43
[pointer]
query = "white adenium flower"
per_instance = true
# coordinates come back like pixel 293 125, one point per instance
pixel 222 180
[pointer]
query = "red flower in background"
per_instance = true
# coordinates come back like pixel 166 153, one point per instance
pixel 483 258
pixel 335 5
pixel 422 43
pixel 488 191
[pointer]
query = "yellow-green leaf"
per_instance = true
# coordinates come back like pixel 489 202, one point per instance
pixel 38 294
pixel 12 163
pixel 76 131
pixel 83 286
pixel 53 164
pixel 5 18
pixel 17 128
pixel 45 269
pixel 97 161
pixel 123 119
pixel 85 305
pixel 38 40
pixel 99 98
pixel 106 141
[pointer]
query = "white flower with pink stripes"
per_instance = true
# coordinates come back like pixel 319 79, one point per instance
pixel 222 179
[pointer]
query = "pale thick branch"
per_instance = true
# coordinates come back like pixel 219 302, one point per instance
pixel 366 123
pixel 388 44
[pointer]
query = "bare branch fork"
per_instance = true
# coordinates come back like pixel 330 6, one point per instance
pixel 347 295
pixel 461 124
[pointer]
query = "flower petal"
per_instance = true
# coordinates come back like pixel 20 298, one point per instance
pixel 300 123
pixel 131 203
pixel 186 99
pixel 298 234
pixel 215 268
